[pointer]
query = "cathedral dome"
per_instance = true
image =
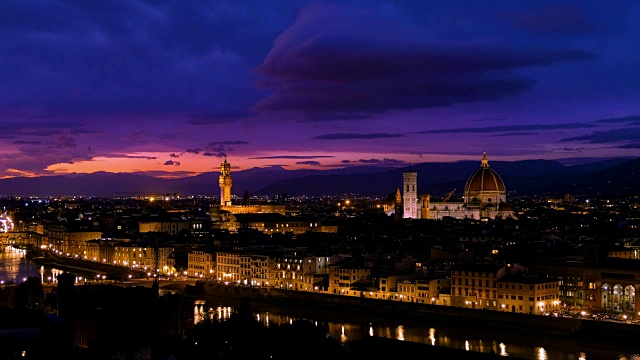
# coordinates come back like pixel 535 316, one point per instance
pixel 485 185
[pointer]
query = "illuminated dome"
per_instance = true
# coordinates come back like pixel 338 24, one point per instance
pixel 485 186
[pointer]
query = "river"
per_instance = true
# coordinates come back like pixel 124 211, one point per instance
pixel 15 268
pixel 347 328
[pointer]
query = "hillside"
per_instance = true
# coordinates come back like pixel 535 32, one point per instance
pixel 437 179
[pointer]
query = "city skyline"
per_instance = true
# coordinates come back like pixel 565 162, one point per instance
pixel 170 89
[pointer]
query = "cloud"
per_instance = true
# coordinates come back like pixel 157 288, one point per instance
pixel 494 118
pixel 219 154
pixel 136 135
pixel 609 136
pixel 26 142
pixel 233 142
pixel 353 136
pixel 509 134
pixel 165 174
pixel 564 19
pixel 330 61
pixel 384 161
pixel 214 118
pixel 134 57
pixel 137 157
pixel 635 145
pixel 84 131
pixel 171 163
pixel 631 120
pixel 507 128
pixel 66 142
pixel 174 155
pixel 221 148
pixel 193 151
pixel 308 162
pixel 293 157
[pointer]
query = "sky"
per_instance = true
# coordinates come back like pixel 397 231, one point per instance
pixel 171 88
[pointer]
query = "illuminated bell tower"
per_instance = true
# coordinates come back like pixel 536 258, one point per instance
pixel 410 195
pixel 224 180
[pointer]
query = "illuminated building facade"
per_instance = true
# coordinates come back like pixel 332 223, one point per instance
pixel 222 212
pixel 228 266
pixel 410 195
pixel 476 285
pixel 345 275
pixel 485 197
pixel 522 293
pixel 201 264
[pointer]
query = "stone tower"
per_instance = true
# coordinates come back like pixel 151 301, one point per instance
pixel 398 205
pixel 225 183
pixel 410 194
pixel 425 202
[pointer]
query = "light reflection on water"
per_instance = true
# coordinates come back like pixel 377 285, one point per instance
pixel 345 332
pixel 14 267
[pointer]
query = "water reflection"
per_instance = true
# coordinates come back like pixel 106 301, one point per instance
pixel 449 337
pixel 503 350
pixel 400 333
pixel 542 354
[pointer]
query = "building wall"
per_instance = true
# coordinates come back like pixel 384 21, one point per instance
pixel 475 289
pixel 529 298
pixel 228 267
pixel 201 264
pixel 410 195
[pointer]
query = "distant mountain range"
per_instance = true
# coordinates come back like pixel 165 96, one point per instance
pixel 437 179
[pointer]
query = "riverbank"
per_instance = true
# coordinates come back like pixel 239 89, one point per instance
pixel 473 319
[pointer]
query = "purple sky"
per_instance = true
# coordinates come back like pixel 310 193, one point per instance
pixel 169 88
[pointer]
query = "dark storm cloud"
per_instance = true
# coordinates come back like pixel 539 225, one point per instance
pixel 330 61
pixel 171 163
pixel 609 136
pixel 134 57
pixel 292 157
pixel 564 18
pixel 350 136
pixel 308 162
pixel 511 128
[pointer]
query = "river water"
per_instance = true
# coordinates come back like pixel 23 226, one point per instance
pixel 527 346
pixel 15 268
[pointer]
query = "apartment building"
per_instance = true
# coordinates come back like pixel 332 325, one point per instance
pixel 530 294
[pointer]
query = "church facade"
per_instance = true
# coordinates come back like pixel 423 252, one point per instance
pixel 485 197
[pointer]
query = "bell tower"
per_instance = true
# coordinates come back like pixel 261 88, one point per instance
pixel 224 180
